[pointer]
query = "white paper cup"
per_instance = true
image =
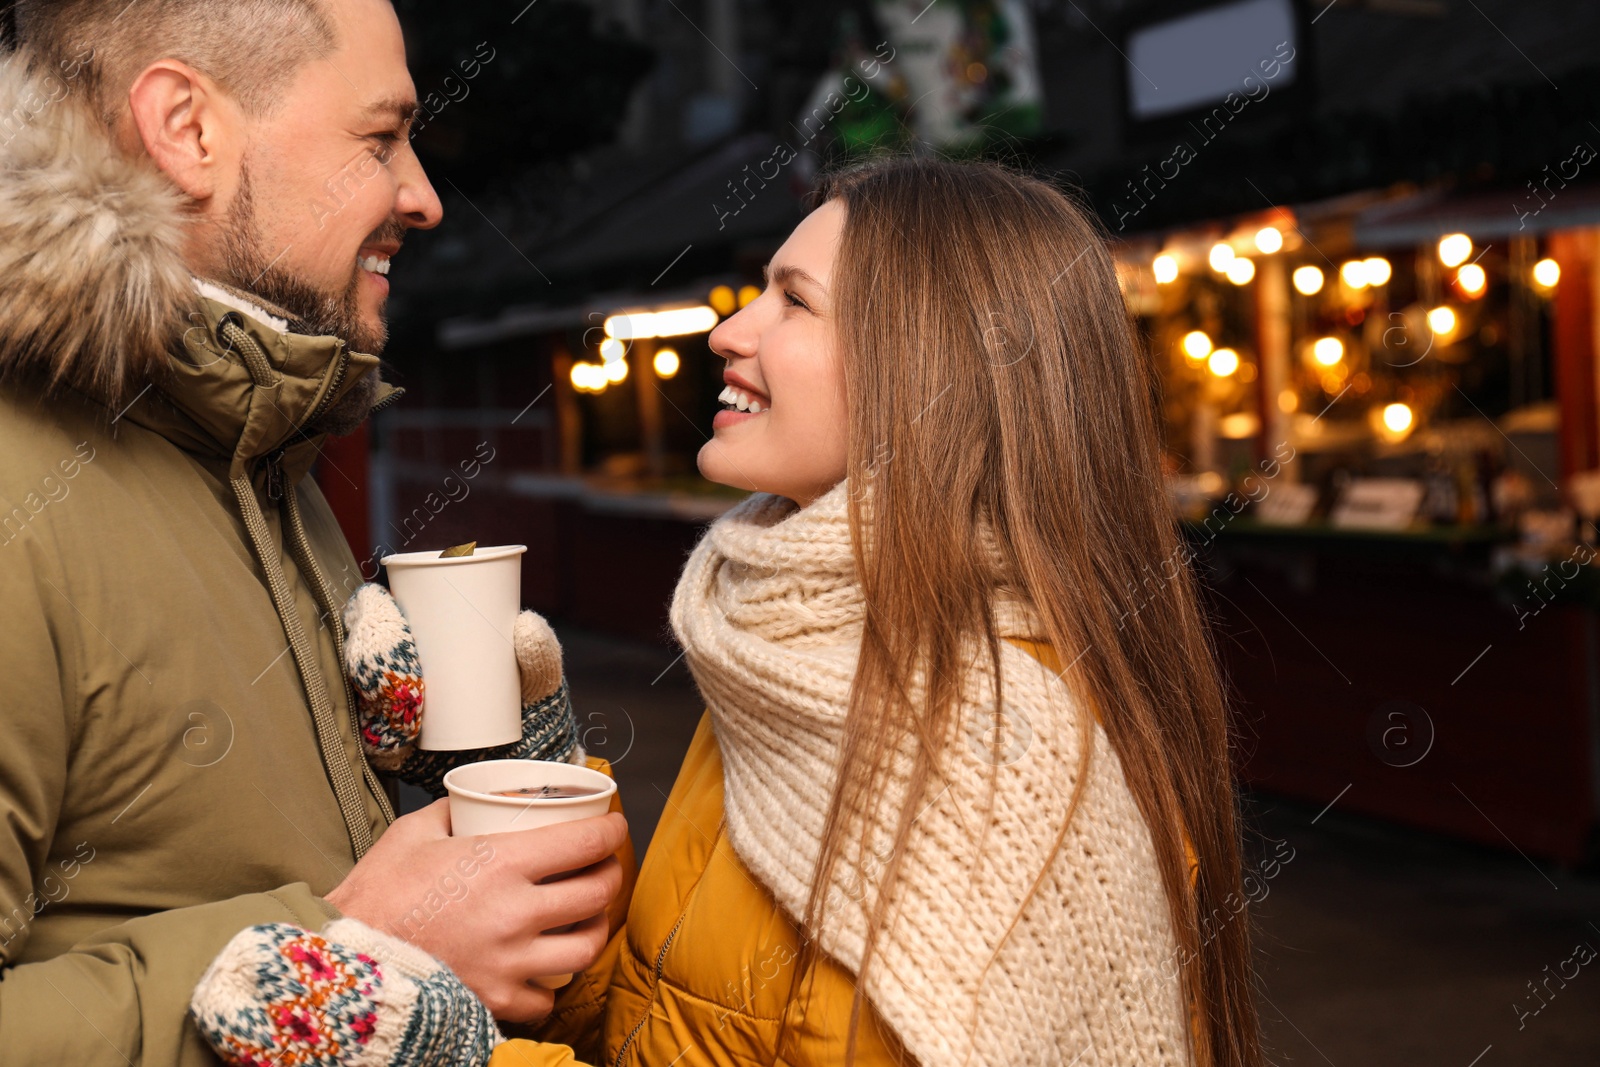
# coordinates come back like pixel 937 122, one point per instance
pixel 461 611
pixel 474 811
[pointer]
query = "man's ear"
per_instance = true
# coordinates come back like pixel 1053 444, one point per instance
pixel 181 120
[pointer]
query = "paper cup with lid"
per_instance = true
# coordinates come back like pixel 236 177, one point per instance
pixel 461 611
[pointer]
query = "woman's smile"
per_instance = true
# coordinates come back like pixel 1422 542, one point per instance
pixel 740 401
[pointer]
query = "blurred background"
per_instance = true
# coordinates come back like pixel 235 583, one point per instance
pixel 1360 240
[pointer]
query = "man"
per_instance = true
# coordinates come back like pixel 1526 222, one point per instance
pixel 183 315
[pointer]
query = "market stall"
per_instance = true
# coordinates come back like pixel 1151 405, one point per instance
pixel 1380 423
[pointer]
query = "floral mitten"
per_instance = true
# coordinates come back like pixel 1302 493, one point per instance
pixel 349 996
pixel 381 657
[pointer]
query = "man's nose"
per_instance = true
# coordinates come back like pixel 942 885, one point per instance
pixel 416 203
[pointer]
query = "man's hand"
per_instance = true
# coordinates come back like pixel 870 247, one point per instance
pixel 482 904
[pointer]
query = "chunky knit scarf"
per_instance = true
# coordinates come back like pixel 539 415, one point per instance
pixel 770 615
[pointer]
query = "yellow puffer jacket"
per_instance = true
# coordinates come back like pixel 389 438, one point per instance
pixel 701 973
pixel 704 970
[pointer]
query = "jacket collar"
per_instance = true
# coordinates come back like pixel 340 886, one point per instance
pixel 208 402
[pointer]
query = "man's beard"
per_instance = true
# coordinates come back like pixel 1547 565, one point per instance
pixel 248 266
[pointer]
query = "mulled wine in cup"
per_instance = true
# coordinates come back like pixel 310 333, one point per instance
pixel 500 795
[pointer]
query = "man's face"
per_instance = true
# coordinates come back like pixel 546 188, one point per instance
pixel 328 184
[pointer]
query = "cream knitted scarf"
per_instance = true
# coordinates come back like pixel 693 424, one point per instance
pixel 770 615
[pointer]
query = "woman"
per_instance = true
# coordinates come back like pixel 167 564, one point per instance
pixel 956 734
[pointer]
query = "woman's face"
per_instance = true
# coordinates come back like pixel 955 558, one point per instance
pixel 783 425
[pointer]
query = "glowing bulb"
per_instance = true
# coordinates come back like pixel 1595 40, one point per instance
pixel 1441 320
pixel 1353 272
pixel 1327 351
pixel 1377 269
pixel 1288 401
pixel 1454 249
pixel 612 349
pixel 1196 345
pixel 722 299
pixel 1547 272
pixel 1223 362
pixel 666 363
pixel 747 293
pixel 1471 278
pixel 1269 239
pixel 588 377
pixel 1221 256
pixel 1165 268
pixel 1241 270
pixel 616 370
pixel 1397 417
pixel 1308 280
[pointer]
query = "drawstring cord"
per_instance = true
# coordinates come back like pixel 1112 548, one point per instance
pixel 300 550
pixel 334 758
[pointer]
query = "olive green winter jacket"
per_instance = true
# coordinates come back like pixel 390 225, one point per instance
pixel 177 756
pixel 162 780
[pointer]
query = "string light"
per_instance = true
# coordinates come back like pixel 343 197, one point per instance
pixel 1223 362
pixel 588 377
pixel 1308 280
pixel 1398 417
pixel 1454 249
pixel 1472 279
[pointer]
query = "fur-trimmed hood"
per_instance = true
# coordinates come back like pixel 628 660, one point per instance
pixel 95 294
pixel 93 286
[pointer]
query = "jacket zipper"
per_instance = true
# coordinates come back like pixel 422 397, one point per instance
pixel 655 981
pixel 385 402
pixel 341 365
pixel 347 791
pixel 298 547
pixel 272 476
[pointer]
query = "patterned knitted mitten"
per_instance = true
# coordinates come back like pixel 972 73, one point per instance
pixel 381 657
pixel 347 997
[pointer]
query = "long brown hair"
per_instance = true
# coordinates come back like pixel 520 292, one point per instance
pixel 995 382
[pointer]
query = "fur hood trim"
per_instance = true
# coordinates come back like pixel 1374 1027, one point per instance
pixel 93 287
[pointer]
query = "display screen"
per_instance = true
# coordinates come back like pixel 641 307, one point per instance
pixel 1184 63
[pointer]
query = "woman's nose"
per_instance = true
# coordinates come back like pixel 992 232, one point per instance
pixel 735 336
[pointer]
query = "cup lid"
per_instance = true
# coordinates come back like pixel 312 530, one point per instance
pixel 432 558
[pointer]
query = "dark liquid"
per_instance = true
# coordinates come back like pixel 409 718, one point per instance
pixel 547 792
